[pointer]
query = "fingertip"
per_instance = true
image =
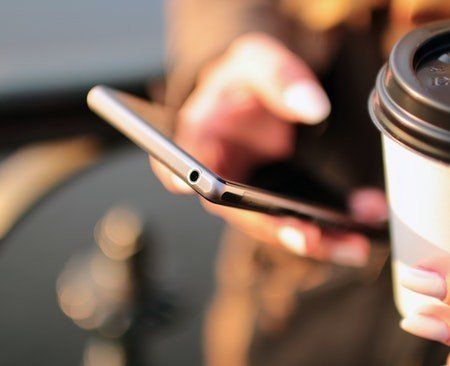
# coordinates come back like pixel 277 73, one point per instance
pixel 349 249
pixel 368 205
pixel 307 101
pixel 426 326
pixel 292 239
pixel 349 255
pixel 298 236
pixel 423 281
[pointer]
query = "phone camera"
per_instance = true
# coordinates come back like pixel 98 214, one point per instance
pixel 194 176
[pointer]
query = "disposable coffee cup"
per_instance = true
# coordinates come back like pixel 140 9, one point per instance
pixel 410 105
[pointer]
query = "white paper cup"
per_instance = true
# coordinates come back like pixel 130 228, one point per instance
pixel 411 107
pixel 419 198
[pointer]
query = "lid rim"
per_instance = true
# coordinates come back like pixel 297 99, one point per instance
pixel 402 106
pixel 411 142
pixel 406 118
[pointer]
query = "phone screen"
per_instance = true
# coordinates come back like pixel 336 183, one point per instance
pixel 289 179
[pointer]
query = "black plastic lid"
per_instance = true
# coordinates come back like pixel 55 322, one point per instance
pixel 411 99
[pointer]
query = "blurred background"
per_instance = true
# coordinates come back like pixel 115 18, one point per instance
pixel 93 270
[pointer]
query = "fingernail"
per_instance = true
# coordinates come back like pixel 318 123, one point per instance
pixel 424 282
pixel 292 239
pixel 348 255
pixel 426 327
pixel 308 101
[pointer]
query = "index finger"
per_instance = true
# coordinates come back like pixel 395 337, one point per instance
pixel 284 84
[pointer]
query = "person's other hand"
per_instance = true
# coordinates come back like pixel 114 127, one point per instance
pixel 430 278
pixel 241 115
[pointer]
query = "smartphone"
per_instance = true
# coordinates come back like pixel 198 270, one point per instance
pixel 136 119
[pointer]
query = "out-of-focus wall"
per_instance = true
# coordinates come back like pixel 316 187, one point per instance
pixel 49 45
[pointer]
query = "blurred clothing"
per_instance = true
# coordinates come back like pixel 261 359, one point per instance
pixel 271 307
pixel 199 30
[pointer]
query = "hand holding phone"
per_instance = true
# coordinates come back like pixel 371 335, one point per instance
pixel 240 115
pixel 276 217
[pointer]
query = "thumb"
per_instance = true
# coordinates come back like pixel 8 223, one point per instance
pixel 281 80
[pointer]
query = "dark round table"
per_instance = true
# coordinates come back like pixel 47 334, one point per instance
pixel 184 239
